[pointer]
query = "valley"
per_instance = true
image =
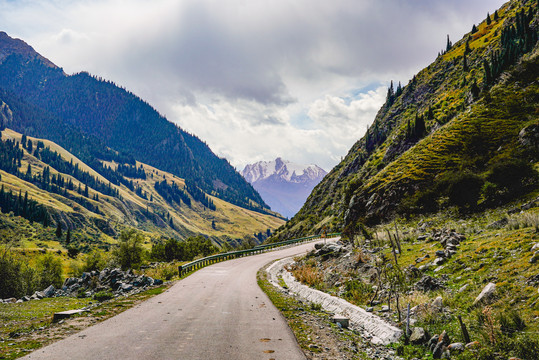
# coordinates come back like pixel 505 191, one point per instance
pixel 109 208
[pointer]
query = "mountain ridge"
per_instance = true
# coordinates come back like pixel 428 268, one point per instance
pixel 284 185
pixel 458 120
pixel 67 107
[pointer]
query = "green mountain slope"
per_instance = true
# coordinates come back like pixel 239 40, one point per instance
pixel 462 133
pixel 43 186
pixel 66 109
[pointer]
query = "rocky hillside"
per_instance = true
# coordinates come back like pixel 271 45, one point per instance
pixel 462 133
pixel 40 100
pixel 283 185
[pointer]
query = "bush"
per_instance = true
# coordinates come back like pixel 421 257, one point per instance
pixel 93 261
pixel 50 271
pixel 16 277
pixel 464 189
pixel 513 177
pixel 72 252
pixel 186 250
pixel 358 292
pixel 130 250
pixel 103 295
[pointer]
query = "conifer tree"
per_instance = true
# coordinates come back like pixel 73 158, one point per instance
pixel 496 17
pixel 467 46
pixel 488 19
pixel 68 236
pixel 448 45
pixel 474 29
pixel 58 230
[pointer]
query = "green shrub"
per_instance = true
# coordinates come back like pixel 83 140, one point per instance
pixel 358 292
pixel 16 277
pixel 129 254
pixel 94 261
pixel 513 177
pixel 103 295
pixel 49 268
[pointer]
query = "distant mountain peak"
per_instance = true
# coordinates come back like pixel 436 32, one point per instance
pixel 284 185
pixel 283 169
pixel 10 46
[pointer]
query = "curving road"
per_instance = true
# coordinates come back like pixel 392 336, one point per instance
pixel 218 312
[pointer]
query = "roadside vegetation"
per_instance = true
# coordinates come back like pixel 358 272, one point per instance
pixel 388 267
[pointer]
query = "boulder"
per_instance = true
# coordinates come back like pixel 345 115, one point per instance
pixel 440 253
pixel 428 283
pixel 438 350
pixel 486 294
pixel 444 338
pixel 498 224
pixel 456 347
pixel 419 336
pixel 438 303
pixel 535 257
pixel 49 291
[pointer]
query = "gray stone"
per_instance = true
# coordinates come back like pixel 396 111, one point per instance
pixel 65 314
pixel 438 303
pixel 456 347
pixel 10 301
pixel 498 224
pixel 462 288
pixel 438 350
pixel 126 287
pixel 486 294
pixel 49 291
pixel 438 261
pixel 535 257
pixel 444 338
pixel 535 247
pixel 428 283
pixel 440 253
pixel 343 321
pixel 385 308
pixel 419 336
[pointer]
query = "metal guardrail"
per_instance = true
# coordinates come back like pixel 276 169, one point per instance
pixel 212 259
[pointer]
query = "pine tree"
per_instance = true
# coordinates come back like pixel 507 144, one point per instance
pixel 399 90
pixel 464 63
pixel 496 17
pixel 58 230
pixel 467 49
pixel 474 29
pixel 68 236
pixel 448 45
pixel 488 19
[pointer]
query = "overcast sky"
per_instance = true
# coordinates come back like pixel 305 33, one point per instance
pixel 255 79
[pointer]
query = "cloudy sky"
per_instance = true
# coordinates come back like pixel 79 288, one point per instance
pixel 255 79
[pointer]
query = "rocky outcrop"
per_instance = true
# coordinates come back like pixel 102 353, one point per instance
pixel 113 280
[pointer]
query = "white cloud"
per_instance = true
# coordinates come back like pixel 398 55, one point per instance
pixel 255 79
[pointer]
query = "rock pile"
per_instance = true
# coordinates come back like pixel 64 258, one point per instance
pixel 328 250
pixel 440 344
pixel 114 280
pixel 450 241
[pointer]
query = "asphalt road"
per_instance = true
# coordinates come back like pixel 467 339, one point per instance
pixel 218 312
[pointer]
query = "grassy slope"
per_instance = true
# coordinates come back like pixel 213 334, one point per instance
pixel 231 221
pixel 457 127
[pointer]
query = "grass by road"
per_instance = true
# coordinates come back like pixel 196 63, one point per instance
pixel 28 326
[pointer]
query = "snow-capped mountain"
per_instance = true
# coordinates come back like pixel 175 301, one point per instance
pixel 283 185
